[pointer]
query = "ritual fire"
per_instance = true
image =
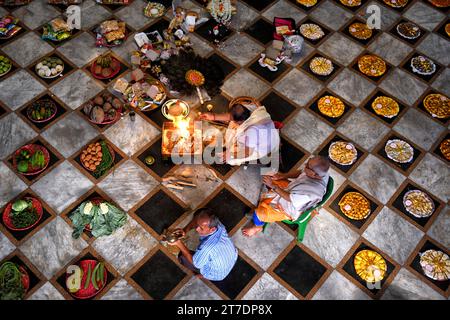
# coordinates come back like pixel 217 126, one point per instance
pixel 181 137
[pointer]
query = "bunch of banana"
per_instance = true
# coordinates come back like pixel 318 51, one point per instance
pixel 104 61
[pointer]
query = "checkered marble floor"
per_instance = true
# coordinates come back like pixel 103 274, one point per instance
pixel 272 265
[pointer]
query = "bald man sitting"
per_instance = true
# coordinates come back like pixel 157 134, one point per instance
pixel 290 194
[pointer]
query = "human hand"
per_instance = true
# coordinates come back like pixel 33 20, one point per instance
pixel 207 116
pixel 177 243
pixel 267 180
pixel 279 176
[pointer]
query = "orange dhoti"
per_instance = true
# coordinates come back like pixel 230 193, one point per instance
pixel 266 212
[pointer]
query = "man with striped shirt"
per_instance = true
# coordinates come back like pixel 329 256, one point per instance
pixel 216 254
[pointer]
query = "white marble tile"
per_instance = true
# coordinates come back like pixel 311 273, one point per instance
pixel 6 246
pixel 264 247
pixel 390 49
pixel 243 17
pixel 406 286
pixel 36 13
pixel 10 186
pixel 377 178
pixel 27 49
pixel 241 49
pixel 342 49
pixel 363 129
pixel 440 229
pixel 15 133
pixel 267 288
pixel 307 130
pixel 196 289
pixel 122 290
pixel 76 89
pixel 92 13
pixel 401 85
pixel 295 82
pixel 442 81
pixel 70 134
pixel 393 234
pixel 130 136
pixel 81 49
pixel 436 47
pixel 434 175
pixel 128 184
pixel 52 247
pixel 389 15
pixel 13 93
pixel 424 15
pixel 337 287
pixel 243 83
pixel 62 186
pixel 419 128
pixel 126 246
pixel 46 292
pixel 331 15
pixel 351 86
pixel 247 182
pixel 132 14
pixel 329 238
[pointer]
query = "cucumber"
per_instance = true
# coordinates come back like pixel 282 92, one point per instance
pixel 101 272
pixel 88 277
pixel 93 277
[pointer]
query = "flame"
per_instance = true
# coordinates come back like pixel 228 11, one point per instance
pixel 183 127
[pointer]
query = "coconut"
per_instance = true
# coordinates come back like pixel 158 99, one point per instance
pixel 97 114
pixel 98 101
pixel 107 106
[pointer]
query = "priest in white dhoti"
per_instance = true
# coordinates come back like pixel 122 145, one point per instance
pixel 290 194
pixel 251 134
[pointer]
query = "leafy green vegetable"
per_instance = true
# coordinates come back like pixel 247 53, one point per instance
pixel 11 287
pixel 22 166
pixel 100 224
pixel 20 205
pixel 106 163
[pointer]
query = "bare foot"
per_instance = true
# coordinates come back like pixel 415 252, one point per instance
pixel 251 230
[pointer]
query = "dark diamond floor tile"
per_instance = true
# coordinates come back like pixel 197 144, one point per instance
pixel 117 159
pixel 34 279
pixel 306 67
pixel 441 30
pixel 290 155
pixel 261 30
pixel 266 74
pixel 219 102
pixel 345 30
pixel 2 111
pixel 356 223
pixel 325 30
pixel 40 126
pixel 222 169
pixel 159 26
pixel 226 66
pixel 301 271
pixel 398 204
pixel 161 166
pixel 158 276
pixel 228 208
pixel 350 269
pixel 156 116
pixel 259 5
pixel 165 3
pixel 413 42
pixel 241 274
pixel 428 78
pixel 390 121
pixel 333 121
pixel 345 169
pixel 53 159
pixel 68 67
pixel 421 106
pixel 402 166
pixel 160 211
pixel 437 151
pixel 205 31
pixel 305 8
pixel 61 280
pixel 415 264
pixel 19 235
pixel 278 108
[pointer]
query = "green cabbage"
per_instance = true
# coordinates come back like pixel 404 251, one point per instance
pixel 20 205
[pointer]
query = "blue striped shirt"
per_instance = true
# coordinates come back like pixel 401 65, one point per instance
pixel 216 255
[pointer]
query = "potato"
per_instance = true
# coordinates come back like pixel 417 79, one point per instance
pixel 88 157
pixel 92 167
pixel 82 156
pixel 100 154
pixel 107 106
pixel 116 103
pixel 86 164
pixel 91 161
pixel 97 163
pixel 98 148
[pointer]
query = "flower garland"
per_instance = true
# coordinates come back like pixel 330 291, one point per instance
pixel 221 10
pixel 195 78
